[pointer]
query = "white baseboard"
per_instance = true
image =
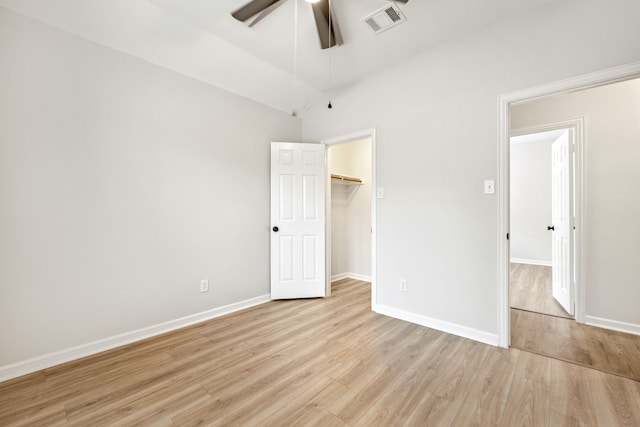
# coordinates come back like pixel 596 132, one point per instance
pixel 440 325
pixel 339 276
pixel 355 276
pixel 615 325
pixel 532 262
pixel 42 362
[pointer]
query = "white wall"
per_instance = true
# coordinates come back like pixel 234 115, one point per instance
pixel 122 184
pixel 436 135
pixel 351 210
pixel 530 197
pixel 612 182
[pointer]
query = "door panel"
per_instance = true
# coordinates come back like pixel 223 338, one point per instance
pixel 562 219
pixel 310 197
pixel 286 258
pixel 286 198
pixel 309 256
pixel 297 220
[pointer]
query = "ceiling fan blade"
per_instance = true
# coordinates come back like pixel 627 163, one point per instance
pixel 266 11
pixel 327 24
pixel 252 8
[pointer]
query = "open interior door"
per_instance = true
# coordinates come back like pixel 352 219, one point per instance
pixel 562 219
pixel 297 220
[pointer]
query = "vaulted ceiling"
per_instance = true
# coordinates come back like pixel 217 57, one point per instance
pixel 271 62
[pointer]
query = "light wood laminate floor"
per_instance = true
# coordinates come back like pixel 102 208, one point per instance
pixel 322 362
pixel 565 339
pixel 540 325
pixel 530 289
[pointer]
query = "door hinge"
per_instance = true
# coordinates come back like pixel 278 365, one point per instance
pixel 507 236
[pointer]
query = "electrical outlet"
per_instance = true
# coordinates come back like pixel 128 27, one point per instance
pixel 403 285
pixel 204 285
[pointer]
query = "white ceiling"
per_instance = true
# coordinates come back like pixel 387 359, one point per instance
pixel 199 38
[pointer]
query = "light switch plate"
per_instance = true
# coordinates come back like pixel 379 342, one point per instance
pixel 380 192
pixel 489 186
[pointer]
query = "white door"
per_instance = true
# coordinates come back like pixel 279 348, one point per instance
pixel 297 220
pixel 562 220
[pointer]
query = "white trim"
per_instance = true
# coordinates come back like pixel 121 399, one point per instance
pixel 532 262
pixel 52 359
pixel 440 325
pixel 629 328
pixel 339 276
pixel 599 78
pixel 354 276
pixel 361 134
pixel 504 138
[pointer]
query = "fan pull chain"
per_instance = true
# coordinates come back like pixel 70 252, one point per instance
pixel 330 52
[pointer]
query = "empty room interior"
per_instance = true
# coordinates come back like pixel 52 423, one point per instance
pixel 331 212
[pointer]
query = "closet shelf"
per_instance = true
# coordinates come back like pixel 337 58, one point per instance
pixel 345 180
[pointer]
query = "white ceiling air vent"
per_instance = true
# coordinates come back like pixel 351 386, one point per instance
pixel 385 18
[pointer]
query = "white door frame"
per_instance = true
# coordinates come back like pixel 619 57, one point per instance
pixel 362 134
pixel 600 78
pixel 577 180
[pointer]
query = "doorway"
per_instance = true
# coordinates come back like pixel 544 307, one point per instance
pixel 351 208
pixel 506 103
pixel 350 176
pixel 542 161
pixel 610 117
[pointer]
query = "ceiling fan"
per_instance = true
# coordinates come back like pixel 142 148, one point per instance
pixel 326 22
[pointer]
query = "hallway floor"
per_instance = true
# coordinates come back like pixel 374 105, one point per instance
pixel 540 325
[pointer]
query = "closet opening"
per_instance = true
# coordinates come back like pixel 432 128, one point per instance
pixel 350 212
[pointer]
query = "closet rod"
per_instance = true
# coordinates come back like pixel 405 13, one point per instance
pixel 346 178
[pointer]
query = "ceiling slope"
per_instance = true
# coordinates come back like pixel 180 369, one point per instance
pixel 142 29
pixel 278 61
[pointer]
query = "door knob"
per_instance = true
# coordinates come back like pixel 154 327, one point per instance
pixel 275 228
pixel 551 227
